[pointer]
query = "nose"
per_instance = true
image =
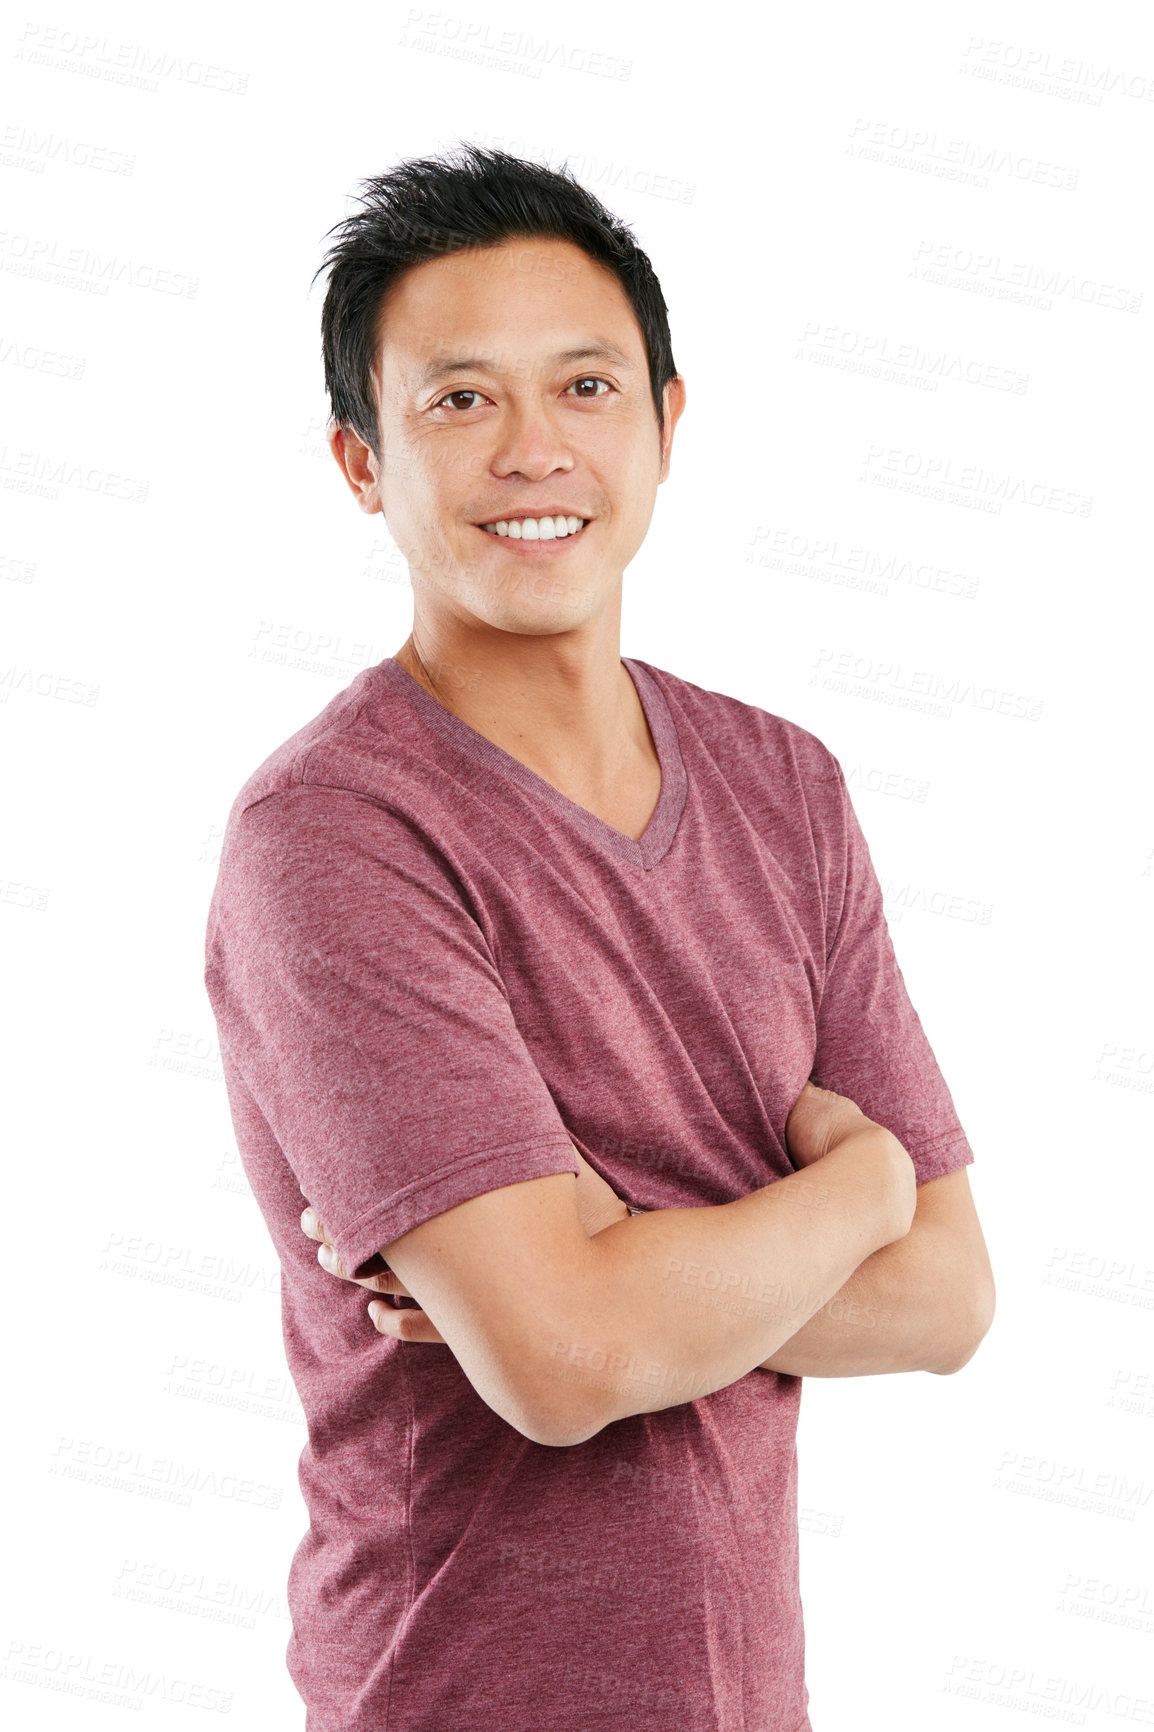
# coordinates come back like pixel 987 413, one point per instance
pixel 530 444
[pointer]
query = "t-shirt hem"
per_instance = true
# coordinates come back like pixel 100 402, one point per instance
pixel 506 1164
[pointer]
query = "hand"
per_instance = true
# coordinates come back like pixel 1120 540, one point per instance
pixel 406 1323
pixel 598 1206
pixel 818 1121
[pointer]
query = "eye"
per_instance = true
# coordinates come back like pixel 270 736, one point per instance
pixel 463 393
pixel 463 408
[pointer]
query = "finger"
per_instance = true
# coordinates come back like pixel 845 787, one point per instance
pixel 312 1224
pixel 407 1324
pixel 386 1282
pixel 328 1259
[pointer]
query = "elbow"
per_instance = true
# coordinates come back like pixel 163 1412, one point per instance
pixel 534 1423
pixel 568 1404
pixel 556 1433
pixel 573 1431
pixel 531 1408
pixel 564 1428
pixel 979 1316
pixel 563 1374
pixel 553 1439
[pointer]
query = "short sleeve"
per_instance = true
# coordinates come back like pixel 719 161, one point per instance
pixel 357 999
pixel 871 1044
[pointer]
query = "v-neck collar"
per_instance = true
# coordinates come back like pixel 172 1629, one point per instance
pixel 657 837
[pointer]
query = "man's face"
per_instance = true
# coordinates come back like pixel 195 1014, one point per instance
pixel 513 384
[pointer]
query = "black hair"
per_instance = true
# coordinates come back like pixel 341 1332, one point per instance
pixel 431 206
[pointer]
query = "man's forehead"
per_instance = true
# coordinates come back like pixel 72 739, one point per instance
pixel 484 328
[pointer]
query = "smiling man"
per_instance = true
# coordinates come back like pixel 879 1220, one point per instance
pixel 556 997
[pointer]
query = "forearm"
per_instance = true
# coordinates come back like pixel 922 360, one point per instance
pixel 683 1302
pixel 896 1312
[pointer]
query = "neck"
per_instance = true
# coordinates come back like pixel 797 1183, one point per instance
pixel 568 710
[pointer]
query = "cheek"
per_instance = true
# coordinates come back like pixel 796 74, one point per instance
pixel 410 500
pixel 629 460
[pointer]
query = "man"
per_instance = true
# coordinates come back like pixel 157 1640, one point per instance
pixel 512 909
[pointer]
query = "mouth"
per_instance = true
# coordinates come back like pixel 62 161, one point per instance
pixel 536 534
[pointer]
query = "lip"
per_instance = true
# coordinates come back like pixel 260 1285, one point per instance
pixel 545 511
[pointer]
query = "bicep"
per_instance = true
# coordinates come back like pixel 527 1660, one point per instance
pixel 504 1277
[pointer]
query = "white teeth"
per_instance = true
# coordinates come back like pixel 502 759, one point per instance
pixel 535 528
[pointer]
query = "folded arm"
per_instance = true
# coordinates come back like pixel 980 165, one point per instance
pixel 922 1303
pixel 562 1333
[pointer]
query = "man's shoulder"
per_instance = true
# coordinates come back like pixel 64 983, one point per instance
pixel 342 807
pixel 351 746
pixel 734 725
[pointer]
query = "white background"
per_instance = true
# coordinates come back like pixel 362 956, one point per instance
pixel 870 225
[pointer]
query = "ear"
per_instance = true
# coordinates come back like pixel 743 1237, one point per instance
pixel 357 465
pixel 673 399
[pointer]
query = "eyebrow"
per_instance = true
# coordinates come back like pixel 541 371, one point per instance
pixel 441 366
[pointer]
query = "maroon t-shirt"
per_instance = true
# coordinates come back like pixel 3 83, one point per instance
pixel 431 972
